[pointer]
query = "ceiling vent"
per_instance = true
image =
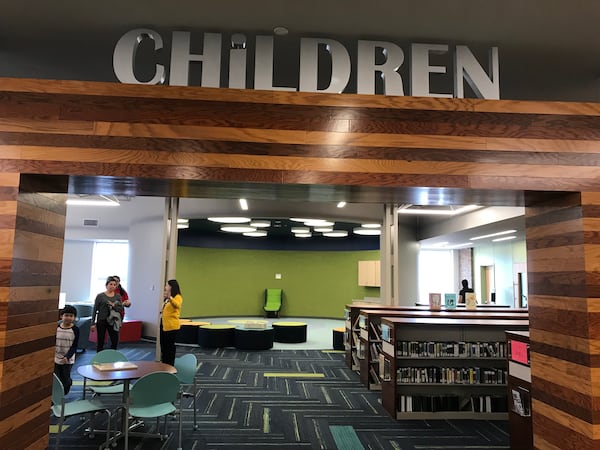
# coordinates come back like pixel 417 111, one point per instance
pixel 90 222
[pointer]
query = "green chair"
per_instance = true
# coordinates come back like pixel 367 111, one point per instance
pixel 187 366
pixel 62 410
pixel 273 302
pixel 106 356
pixel 154 395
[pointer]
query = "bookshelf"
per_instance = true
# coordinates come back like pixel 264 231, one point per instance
pixel 519 390
pixel 446 368
pixel 370 344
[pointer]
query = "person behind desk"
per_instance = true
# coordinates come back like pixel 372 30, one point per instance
pixel 462 293
pixel 169 322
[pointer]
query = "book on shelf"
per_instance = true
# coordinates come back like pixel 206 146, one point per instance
pixel 375 330
pixel 435 301
pixel 470 300
pixel 450 301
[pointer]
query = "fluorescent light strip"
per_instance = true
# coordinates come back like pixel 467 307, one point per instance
pixel 91 202
pixel 507 238
pixel 367 231
pixel 243 204
pixel 229 219
pixel 485 236
pixel 405 209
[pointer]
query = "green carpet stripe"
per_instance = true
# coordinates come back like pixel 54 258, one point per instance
pixel 54 428
pixel 293 375
pixel 345 438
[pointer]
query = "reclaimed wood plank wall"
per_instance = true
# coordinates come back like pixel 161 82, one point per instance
pixel 179 137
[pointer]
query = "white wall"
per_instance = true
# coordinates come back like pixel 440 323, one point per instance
pixel 77 270
pixel 145 271
pixel 502 256
pixel 408 256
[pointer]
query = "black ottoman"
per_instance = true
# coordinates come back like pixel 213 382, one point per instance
pixel 290 332
pixel 188 333
pixel 253 339
pixel 338 338
pixel 216 335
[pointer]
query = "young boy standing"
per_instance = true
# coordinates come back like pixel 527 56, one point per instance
pixel 67 337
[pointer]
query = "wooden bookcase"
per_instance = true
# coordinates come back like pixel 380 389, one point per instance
pixel 370 342
pixel 445 368
pixel 519 390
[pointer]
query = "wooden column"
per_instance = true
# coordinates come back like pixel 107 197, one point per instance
pixel 31 246
pixel 563 258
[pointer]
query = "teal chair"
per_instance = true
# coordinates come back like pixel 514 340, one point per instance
pixel 154 396
pixel 273 302
pixel 187 366
pixel 106 356
pixel 62 410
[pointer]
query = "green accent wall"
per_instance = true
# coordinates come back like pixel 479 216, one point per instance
pixel 225 282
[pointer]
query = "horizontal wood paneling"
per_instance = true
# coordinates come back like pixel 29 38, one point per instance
pixel 190 141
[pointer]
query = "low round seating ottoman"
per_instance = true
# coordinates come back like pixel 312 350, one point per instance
pixel 290 332
pixel 188 333
pixel 253 339
pixel 216 335
pixel 338 338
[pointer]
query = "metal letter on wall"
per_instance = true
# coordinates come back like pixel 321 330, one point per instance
pixel 125 54
pixel 181 58
pixel 420 69
pixel 309 65
pixel 389 255
pixel 366 68
pixel 465 65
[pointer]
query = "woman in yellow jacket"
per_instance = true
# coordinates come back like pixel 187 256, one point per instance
pixel 169 321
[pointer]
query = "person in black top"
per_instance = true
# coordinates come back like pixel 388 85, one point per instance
pixel 463 291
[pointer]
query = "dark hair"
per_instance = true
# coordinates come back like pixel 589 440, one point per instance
pixel 465 283
pixel 109 279
pixel 117 278
pixel 69 309
pixel 175 290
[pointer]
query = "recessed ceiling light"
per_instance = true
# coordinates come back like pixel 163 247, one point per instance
pixel 229 219
pixel 371 225
pixel 257 233
pixel 300 219
pixel 341 204
pixel 280 31
pixel 318 223
pixel 336 233
pixel 297 230
pixel 435 210
pixel 500 233
pixel 243 204
pixel 367 231
pixel 323 229
pixel 237 228
pixel 183 226
pixel 183 221
pixel 303 235
pixel 260 223
pixel 102 200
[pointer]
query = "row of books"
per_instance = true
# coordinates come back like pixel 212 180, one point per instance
pixel 419 349
pixel 451 375
pixel 428 403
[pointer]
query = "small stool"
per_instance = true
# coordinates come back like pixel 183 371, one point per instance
pixel 338 338
pixel 249 339
pixel 216 335
pixel 290 332
pixel 188 332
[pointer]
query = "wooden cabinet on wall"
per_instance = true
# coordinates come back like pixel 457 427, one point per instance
pixel 369 273
pixel 438 368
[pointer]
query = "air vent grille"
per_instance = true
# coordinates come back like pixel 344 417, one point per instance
pixel 90 222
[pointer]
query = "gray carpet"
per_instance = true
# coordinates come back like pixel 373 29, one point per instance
pixel 293 399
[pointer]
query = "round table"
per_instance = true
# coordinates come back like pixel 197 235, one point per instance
pixel 290 332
